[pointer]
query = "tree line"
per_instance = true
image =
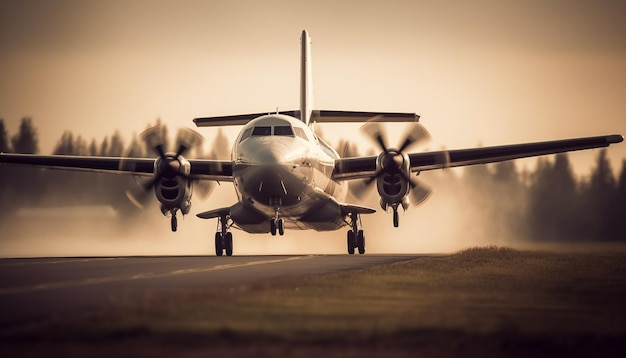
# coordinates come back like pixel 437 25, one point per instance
pixel 548 203
pixel 37 187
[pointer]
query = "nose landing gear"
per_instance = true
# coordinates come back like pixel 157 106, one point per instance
pixel 277 224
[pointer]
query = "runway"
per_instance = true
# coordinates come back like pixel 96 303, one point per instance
pixel 37 291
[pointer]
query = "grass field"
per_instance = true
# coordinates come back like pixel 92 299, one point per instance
pixel 478 302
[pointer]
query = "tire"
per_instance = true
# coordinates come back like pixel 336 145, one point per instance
pixel 228 244
pixel 360 242
pixel 174 223
pixel 350 242
pixel 219 246
pixel 273 227
pixel 281 227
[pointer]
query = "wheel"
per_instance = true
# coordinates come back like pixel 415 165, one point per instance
pixel 219 246
pixel 174 223
pixel 350 241
pixel 281 227
pixel 273 227
pixel 396 219
pixel 228 243
pixel 360 242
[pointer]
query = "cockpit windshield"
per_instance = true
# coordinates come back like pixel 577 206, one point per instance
pixel 283 130
pixel 262 131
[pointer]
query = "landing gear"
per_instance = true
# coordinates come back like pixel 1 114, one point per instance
pixel 277 225
pixel 355 236
pixel 223 238
pixel 174 222
pixel 351 242
pixel 219 244
pixel 396 219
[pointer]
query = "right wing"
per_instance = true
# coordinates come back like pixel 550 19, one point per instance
pixel 365 167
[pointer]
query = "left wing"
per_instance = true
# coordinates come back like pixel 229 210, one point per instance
pixel 200 168
pixel 364 167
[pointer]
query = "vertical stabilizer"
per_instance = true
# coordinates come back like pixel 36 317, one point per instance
pixel 306 85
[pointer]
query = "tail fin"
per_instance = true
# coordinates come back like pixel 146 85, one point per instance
pixel 306 84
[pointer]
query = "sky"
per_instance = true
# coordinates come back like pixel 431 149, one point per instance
pixel 479 72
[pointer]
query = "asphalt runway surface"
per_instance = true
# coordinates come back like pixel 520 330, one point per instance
pixel 35 291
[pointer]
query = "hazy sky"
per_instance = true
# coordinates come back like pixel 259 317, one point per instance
pixel 490 72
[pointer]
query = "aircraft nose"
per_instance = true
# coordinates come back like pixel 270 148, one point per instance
pixel 272 154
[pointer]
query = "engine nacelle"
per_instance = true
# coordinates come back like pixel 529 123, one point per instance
pixel 392 184
pixel 174 193
pixel 172 187
pixel 393 190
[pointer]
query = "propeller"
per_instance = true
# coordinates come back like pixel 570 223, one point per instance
pixel 392 160
pixel 168 165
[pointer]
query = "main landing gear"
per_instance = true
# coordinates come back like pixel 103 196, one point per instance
pixel 277 224
pixel 355 236
pixel 223 237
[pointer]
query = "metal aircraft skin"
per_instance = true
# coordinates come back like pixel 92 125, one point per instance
pixel 286 177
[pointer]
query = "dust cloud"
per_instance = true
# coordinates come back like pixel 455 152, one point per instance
pixel 447 222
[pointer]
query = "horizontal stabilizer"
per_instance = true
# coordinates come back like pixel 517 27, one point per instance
pixel 319 116
pixel 325 116
pixel 237 120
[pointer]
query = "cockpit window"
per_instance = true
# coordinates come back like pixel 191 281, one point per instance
pixel 262 131
pixel 300 133
pixel 283 130
pixel 245 134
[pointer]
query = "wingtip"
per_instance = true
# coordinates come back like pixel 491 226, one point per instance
pixel 615 138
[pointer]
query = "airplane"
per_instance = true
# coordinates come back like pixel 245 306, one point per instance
pixel 288 178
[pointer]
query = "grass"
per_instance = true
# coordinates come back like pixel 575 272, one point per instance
pixel 481 301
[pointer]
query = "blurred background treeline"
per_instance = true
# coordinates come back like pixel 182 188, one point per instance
pixel 548 203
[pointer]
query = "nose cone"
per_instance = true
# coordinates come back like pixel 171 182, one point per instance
pixel 283 152
pixel 271 154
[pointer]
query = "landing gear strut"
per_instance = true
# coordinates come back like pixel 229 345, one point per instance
pixel 396 219
pixel 174 222
pixel 223 238
pixel 355 236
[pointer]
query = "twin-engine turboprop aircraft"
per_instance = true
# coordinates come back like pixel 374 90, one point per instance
pixel 287 178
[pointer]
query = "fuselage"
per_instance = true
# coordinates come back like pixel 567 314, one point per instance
pixel 282 169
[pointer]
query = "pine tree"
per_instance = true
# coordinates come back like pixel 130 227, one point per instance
pixel 65 145
pixel 619 209
pixel 25 141
pixel 221 145
pixel 4 138
pixel 553 201
pixel 599 195
pixel 104 147
pixel 116 147
pixel 93 148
